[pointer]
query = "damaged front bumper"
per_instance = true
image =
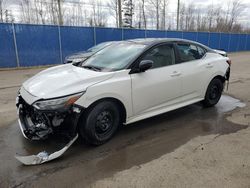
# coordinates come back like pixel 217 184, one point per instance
pixel 38 125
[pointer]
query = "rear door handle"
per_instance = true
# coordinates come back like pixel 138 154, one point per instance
pixel 175 73
pixel 209 65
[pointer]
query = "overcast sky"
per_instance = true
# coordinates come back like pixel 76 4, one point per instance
pixel 172 7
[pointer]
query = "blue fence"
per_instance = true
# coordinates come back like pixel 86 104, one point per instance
pixel 23 45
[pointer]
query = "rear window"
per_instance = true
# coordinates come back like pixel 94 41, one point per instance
pixel 190 52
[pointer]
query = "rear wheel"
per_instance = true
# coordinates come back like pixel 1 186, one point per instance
pixel 213 93
pixel 100 123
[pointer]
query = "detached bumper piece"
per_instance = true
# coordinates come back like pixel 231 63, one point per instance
pixel 43 156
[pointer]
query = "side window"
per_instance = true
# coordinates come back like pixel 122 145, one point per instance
pixel 201 51
pixel 189 52
pixel 161 56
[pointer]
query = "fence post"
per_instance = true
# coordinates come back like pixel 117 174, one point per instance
pixel 196 36
pixel 60 43
pixel 145 33
pixel 15 45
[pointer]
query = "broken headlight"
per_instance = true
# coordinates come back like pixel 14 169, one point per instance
pixel 58 103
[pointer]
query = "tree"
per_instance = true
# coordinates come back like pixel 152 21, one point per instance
pixel 156 5
pixel 98 17
pixel 1 10
pixel 235 12
pixel 26 11
pixel 143 14
pixel 53 12
pixel 113 6
pixel 163 16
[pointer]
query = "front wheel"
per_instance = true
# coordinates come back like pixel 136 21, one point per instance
pixel 213 93
pixel 100 123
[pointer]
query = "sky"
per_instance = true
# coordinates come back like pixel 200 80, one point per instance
pixel 244 17
pixel 172 8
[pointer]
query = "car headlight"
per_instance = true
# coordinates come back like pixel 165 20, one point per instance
pixel 59 103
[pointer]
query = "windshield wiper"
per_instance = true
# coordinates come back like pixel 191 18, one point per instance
pixel 91 67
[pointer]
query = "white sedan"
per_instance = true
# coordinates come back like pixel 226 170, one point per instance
pixel 123 83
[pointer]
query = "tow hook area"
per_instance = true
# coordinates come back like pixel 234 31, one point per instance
pixel 43 156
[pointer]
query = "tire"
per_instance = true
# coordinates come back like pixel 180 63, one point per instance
pixel 100 123
pixel 213 93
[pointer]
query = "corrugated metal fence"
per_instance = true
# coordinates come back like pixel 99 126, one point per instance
pixel 23 45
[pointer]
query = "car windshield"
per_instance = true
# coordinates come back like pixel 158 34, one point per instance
pixel 114 57
pixel 99 46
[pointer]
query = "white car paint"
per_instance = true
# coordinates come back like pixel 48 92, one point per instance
pixel 158 90
pixel 62 80
pixel 143 95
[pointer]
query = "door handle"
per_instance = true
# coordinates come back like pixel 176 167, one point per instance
pixel 209 65
pixel 175 73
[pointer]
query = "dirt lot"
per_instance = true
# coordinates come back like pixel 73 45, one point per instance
pixel 189 147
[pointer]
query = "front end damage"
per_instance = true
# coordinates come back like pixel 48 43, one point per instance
pixel 38 124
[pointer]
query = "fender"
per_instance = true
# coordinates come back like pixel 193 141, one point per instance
pixel 120 84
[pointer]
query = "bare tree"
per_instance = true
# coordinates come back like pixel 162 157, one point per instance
pixel 156 5
pixel 113 6
pixel 120 12
pixel 53 12
pixel 1 10
pixel 40 11
pixel 98 17
pixel 143 14
pixel 235 12
pixel 163 16
pixel 26 11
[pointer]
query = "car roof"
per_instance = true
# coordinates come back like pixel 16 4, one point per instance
pixel 154 41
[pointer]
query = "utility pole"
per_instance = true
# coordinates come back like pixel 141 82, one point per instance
pixel 60 12
pixel 120 12
pixel 178 15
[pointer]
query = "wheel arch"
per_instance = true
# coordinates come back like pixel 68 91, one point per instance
pixel 219 76
pixel 119 104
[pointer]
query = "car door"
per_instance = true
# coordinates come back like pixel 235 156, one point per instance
pixel 195 68
pixel 160 86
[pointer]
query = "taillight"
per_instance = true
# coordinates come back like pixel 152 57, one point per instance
pixel 229 62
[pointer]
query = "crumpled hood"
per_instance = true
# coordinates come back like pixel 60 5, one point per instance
pixel 63 80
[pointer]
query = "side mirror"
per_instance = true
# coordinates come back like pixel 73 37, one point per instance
pixel 145 65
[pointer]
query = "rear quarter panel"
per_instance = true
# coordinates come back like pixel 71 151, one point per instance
pixel 219 69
